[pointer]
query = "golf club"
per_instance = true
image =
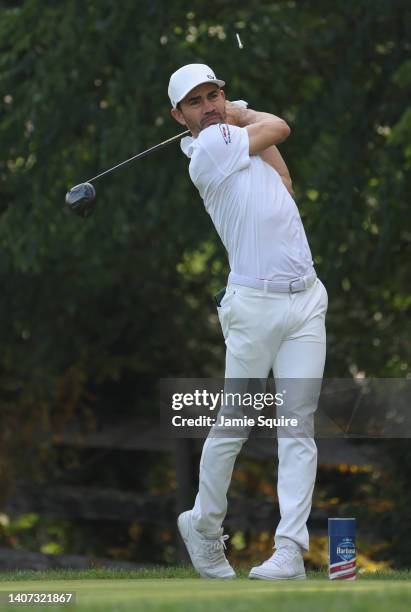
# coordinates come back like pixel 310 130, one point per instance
pixel 81 198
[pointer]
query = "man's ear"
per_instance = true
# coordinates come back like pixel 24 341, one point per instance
pixel 178 116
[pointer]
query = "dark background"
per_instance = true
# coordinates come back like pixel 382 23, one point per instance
pixel 93 313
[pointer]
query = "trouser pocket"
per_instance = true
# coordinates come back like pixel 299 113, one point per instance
pixel 218 298
pixel 224 310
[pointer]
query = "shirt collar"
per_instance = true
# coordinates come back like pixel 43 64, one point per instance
pixel 187 145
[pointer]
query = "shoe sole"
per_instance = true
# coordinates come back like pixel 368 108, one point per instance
pixel 183 529
pixel 181 526
pixel 184 534
pixel 255 576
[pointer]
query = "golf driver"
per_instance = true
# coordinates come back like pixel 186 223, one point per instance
pixel 81 198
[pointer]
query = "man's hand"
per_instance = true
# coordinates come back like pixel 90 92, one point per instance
pixel 235 115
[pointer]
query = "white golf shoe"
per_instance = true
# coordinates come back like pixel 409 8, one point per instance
pixel 207 555
pixel 285 564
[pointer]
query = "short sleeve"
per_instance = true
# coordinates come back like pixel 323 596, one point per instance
pixel 219 151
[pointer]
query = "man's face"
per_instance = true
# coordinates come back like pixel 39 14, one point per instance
pixel 203 106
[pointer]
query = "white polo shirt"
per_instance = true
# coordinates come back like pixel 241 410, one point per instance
pixel 253 213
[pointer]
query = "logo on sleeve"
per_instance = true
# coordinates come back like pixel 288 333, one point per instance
pixel 225 132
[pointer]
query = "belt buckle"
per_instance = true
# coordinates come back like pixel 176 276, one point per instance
pixel 296 280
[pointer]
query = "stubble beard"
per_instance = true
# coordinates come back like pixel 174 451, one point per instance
pixel 197 128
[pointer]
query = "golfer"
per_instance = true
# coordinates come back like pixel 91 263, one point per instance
pixel 272 314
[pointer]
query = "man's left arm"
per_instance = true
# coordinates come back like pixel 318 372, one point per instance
pixel 242 116
pixel 273 158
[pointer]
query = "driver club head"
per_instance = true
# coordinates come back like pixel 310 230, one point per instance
pixel 81 199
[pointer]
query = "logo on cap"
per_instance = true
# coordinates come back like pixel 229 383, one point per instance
pixel 210 76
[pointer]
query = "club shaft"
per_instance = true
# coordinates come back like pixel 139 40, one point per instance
pixel 139 155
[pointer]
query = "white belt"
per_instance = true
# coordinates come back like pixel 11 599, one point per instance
pixel 294 286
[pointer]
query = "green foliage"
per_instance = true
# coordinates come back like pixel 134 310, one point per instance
pixel 31 531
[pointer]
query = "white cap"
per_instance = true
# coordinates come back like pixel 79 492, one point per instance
pixel 186 78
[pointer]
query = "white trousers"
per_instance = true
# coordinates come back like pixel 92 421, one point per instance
pixel 263 331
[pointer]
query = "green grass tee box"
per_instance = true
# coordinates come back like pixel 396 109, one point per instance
pixel 169 591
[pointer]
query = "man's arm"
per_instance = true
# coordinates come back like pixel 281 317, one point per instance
pixel 274 159
pixel 264 131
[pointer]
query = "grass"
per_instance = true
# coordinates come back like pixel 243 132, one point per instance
pixel 178 589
